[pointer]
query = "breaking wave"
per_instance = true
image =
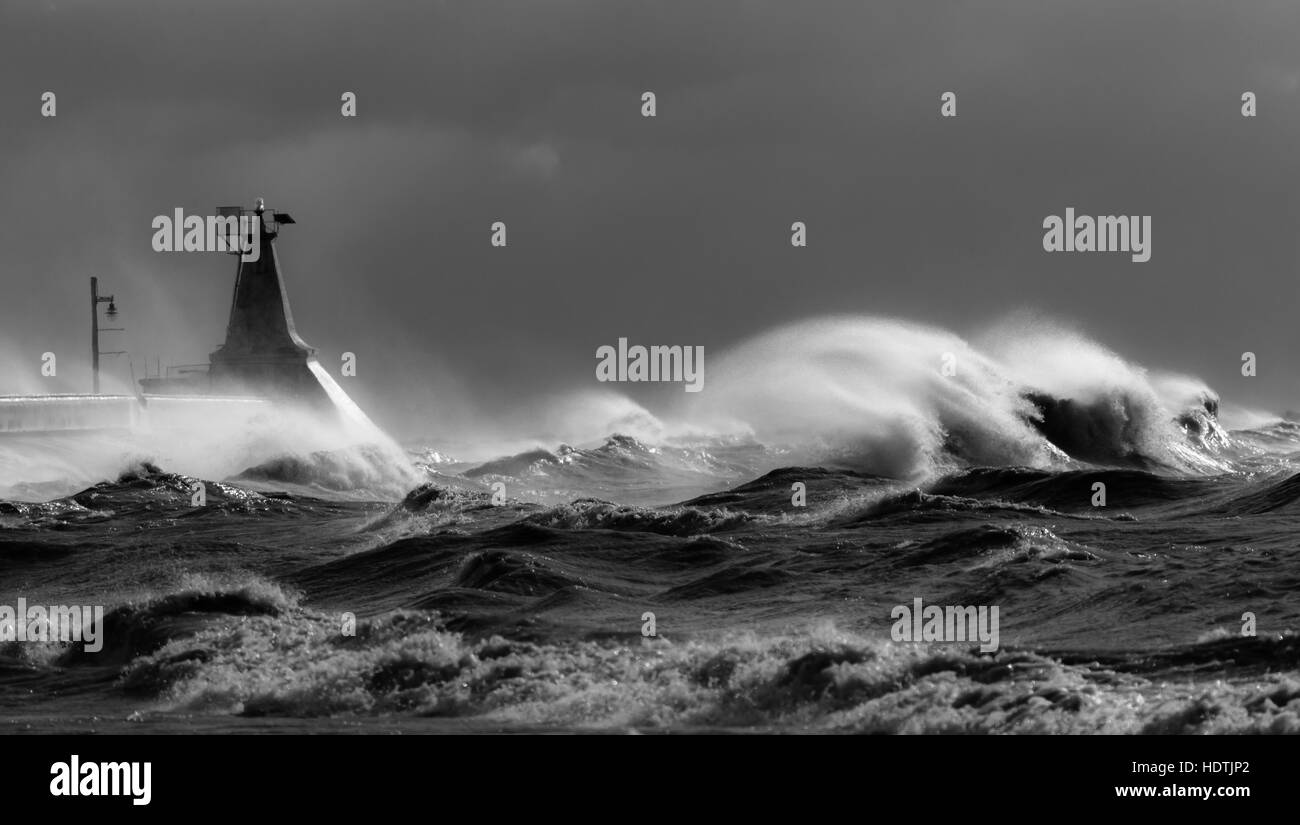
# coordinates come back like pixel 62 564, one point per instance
pixel 904 400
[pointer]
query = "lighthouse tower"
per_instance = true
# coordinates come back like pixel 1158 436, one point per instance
pixel 263 354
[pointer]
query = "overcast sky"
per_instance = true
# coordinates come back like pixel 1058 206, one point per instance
pixel 667 230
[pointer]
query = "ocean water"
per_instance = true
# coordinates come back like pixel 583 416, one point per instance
pixel 512 593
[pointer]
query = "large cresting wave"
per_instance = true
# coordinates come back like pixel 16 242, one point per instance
pixel 904 399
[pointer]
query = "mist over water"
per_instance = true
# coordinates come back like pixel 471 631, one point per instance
pixel 885 396
pixel 338 451
pixel 882 396
pixel 907 400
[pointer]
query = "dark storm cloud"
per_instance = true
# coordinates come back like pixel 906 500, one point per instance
pixel 672 230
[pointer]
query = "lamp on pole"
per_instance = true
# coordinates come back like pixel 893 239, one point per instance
pixel 95 300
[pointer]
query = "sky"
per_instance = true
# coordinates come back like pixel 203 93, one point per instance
pixel 666 230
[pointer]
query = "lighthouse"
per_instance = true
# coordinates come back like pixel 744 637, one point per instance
pixel 263 365
pixel 263 354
